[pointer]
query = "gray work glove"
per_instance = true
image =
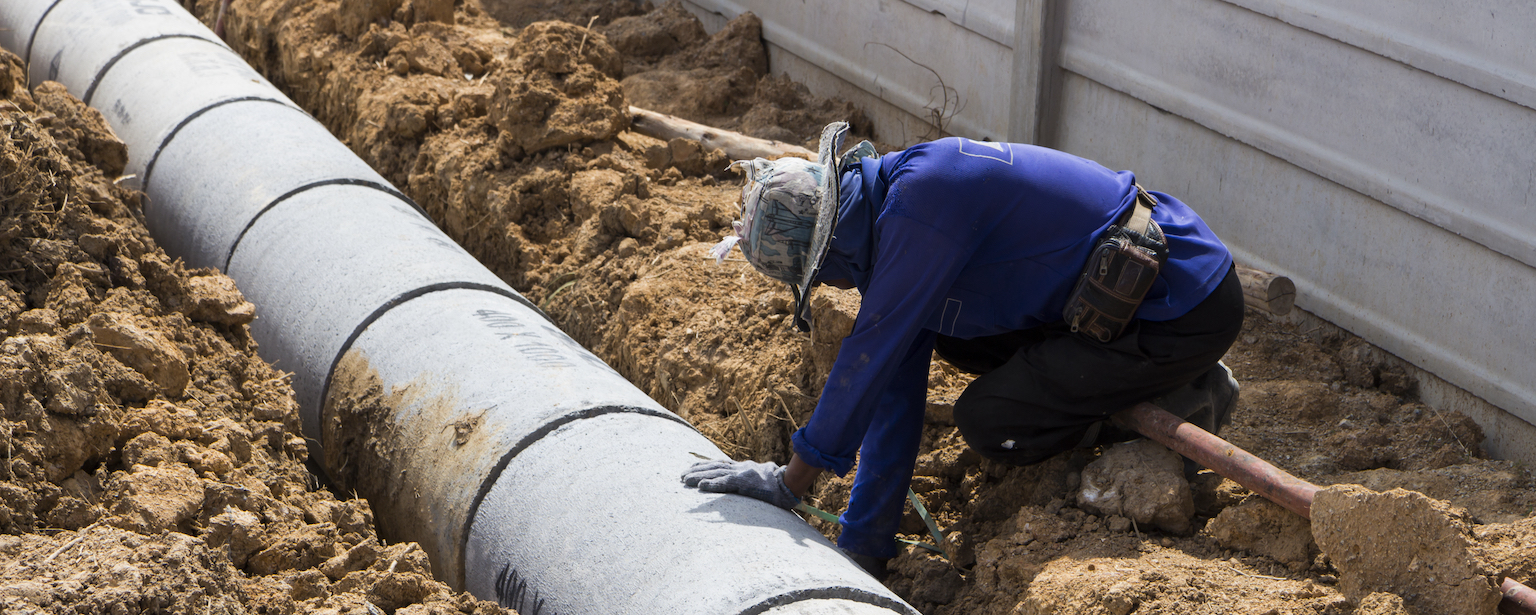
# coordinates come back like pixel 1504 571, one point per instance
pixel 764 481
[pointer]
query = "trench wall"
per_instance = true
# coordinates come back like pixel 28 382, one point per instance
pixel 529 471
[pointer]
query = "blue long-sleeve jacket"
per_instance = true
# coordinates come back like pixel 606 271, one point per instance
pixel 966 239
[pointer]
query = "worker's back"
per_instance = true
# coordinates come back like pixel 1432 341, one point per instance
pixel 1022 220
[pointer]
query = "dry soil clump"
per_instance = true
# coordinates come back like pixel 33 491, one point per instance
pixel 1406 544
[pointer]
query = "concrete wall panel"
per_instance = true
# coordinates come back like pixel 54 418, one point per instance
pixel 1438 300
pixel 1440 151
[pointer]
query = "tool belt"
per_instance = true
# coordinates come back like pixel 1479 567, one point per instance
pixel 1120 270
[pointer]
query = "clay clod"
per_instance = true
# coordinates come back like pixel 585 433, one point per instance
pixel 1404 543
pixel 143 349
pixel 562 93
pixel 1261 526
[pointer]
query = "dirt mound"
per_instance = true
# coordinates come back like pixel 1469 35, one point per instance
pixel 1406 544
pixel 152 463
pixel 610 235
pixel 720 80
pixel 670 65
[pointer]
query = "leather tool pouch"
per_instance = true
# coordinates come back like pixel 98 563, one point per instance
pixel 1119 272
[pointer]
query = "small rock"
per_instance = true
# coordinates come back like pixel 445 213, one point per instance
pixel 203 459
pixel 145 350
pixel 1118 600
pixel 627 247
pixel 1382 603
pixel 216 299
pixel 72 389
pixel 1142 480
pixel 148 449
pixel 357 558
pixel 959 548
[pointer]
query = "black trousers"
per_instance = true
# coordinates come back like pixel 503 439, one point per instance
pixel 1042 390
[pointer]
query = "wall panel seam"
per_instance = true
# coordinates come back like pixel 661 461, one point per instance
pixel 1000 32
pixel 1504 82
pixel 1304 153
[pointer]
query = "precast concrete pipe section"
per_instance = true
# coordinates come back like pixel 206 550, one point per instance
pixel 530 471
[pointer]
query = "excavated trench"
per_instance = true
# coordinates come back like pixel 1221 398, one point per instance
pixel 396 335
pixel 513 140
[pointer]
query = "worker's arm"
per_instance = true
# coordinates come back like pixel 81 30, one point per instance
pixel 888 449
pixel 886 457
pixel 912 278
pixel 910 281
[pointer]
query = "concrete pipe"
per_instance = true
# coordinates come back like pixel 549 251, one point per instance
pixel 531 473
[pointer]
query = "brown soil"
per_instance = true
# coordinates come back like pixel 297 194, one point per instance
pixel 512 135
pixel 152 463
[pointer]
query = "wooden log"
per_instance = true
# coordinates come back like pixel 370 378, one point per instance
pixel 1266 291
pixel 736 146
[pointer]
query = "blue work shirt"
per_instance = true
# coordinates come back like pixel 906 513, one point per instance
pixel 965 239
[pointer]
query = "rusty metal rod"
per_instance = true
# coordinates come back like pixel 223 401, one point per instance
pixel 1518 599
pixel 1262 477
pixel 1221 457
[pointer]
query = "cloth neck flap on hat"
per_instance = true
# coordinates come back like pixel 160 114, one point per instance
pixel 826 219
pixel 852 253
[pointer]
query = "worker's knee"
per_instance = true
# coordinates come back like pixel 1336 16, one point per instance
pixel 1016 433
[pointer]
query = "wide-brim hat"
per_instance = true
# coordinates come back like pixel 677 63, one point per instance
pixel 826 219
pixel 788 213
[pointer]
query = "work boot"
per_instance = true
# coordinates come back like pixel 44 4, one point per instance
pixel 1207 401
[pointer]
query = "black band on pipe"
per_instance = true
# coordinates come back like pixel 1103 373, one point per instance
pixel 529 440
pixel 100 74
pixel 149 168
pixel 340 181
pixel 852 594
pixel 26 55
pixel 154 158
pixel 501 464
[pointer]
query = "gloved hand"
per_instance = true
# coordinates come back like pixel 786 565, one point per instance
pixel 764 481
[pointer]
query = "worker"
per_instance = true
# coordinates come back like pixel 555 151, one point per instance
pixel 1014 262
